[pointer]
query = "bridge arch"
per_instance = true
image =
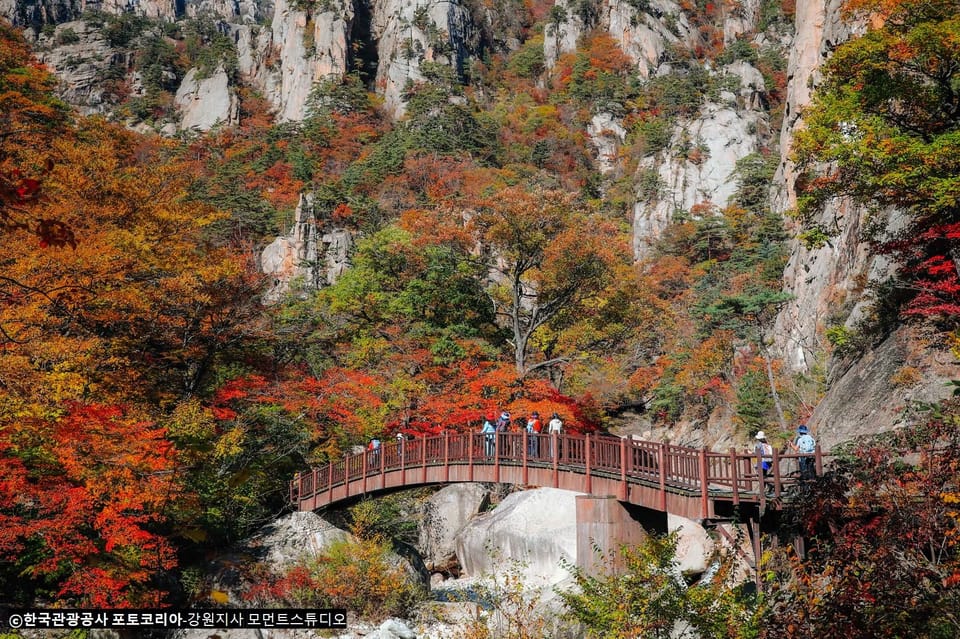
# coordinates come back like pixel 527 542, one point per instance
pixel 696 483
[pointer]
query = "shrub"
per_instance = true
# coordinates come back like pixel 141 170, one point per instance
pixel 67 36
pixel 360 575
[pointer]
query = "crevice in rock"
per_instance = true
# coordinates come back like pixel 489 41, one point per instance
pixel 363 56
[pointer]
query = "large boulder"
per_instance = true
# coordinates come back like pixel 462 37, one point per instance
pixel 290 538
pixel 534 528
pixel 694 545
pixel 281 543
pixel 445 514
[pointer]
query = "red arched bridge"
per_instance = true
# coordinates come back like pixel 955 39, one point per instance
pixel 696 483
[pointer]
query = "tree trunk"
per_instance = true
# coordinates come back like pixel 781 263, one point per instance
pixel 773 386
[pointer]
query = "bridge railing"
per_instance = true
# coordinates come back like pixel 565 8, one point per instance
pixel 692 470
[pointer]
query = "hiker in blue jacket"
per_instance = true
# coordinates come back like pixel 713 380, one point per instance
pixel 804 444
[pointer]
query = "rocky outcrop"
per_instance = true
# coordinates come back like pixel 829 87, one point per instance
pixel 535 528
pixel 560 36
pixel 35 13
pixel 300 47
pixel 643 35
pixel 741 17
pixel 206 102
pixel 308 46
pixel 445 514
pixel 822 280
pixel 81 57
pixel 411 32
pixel 894 371
pixel 606 134
pixel 697 169
pixel 308 257
pixel 830 283
pixel 288 539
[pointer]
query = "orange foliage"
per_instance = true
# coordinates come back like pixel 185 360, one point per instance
pixel 99 337
pixel 93 503
pixel 277 185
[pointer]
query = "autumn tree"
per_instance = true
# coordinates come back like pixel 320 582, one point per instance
pixel 884 128
pixel 102 339
pixel 29 115
pixel 548 256
pixel 82 504
pixel 882 532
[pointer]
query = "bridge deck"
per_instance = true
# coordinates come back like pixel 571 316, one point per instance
pixel 684 481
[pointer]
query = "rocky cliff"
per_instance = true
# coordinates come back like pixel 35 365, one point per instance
pixel 725 106
pixel 831 284
pixel 281 49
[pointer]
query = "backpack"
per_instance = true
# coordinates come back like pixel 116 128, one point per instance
pixel 765 451
pixel 806 444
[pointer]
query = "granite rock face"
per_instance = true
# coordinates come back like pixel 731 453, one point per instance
pixel 534 527
pixel 206 102
pixel 312 255
pixel 696 173
pixel 445 515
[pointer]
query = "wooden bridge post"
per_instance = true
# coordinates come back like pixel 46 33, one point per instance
pixel 496 457
pixel 423 462
pixel 346 474
pixel 704 485
pixel 662 467
pixel 735 476
pixel 363 473
pixel 329 482
pixel 587 453
pixel 623 469
pixel 470 456
pixel 446 457
pixel 757 549
pixel 556 460
pixel 383 462
pixel 776 473
pixel 818 460
pixel 524 443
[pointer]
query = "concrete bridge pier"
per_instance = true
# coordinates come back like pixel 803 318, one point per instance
pixel 604 525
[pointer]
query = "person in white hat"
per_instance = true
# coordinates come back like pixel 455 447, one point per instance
pixel 764 453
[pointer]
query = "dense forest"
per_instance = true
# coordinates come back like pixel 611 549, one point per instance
pixel 153 407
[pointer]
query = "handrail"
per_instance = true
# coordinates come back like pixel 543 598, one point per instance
pixel 693 471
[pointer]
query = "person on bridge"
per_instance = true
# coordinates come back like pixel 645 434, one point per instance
pixel 488 431
pixel 764 453
pixel 554 427
pixel 804 444
pixel 373 452
pixel 534 426
pixel 503 427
